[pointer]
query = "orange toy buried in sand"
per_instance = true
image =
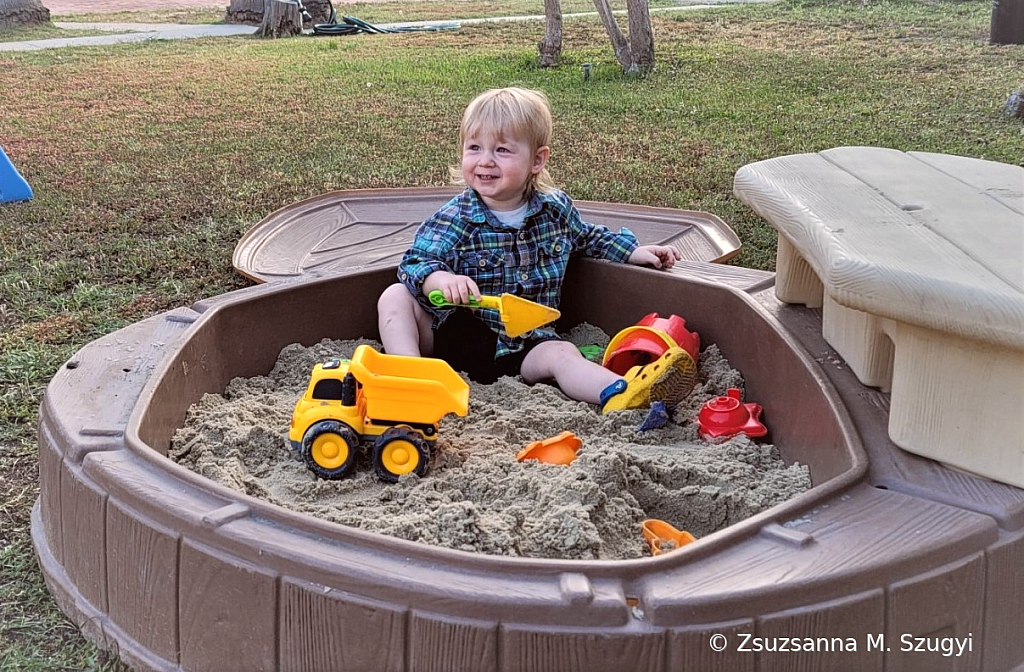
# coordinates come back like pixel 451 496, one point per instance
pixel 558 449
pixel 662 537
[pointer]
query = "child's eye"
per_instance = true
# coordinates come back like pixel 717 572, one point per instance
pixel 503 149
pixel 472 148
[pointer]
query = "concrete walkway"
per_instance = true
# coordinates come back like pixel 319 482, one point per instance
pixel 140 32
pixel 127 32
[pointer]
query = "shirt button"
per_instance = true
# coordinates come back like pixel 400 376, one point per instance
pixel 558 247
pixel 524 276
pixel 405 276
pixel 522 236
pixel 483 262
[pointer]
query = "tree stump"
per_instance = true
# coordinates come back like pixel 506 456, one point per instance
pixel 23 13
pixel 281 18
pixel 249 12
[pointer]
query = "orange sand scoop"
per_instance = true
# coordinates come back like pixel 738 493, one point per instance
pixel 559 449
pixel 662 537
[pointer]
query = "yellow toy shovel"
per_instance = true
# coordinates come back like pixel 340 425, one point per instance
pixel 518 315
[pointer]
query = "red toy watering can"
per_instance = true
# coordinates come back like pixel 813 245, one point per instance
pixel 727 416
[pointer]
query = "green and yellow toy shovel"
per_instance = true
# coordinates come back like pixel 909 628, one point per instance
pixel 517 314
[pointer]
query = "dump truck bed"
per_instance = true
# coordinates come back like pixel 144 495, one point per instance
pixel 408 389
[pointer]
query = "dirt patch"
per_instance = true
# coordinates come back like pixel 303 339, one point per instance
pixel 476 496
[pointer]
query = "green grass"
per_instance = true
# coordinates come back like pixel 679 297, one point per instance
pixel 149 161
pixel 164 15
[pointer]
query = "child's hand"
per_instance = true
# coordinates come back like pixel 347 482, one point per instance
pixel 659 256
pixel 456 288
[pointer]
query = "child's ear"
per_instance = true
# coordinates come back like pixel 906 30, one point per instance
pixel 540 158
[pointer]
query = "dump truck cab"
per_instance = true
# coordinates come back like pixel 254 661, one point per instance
pixel 394 400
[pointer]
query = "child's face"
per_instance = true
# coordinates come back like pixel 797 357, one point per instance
pixel 499 168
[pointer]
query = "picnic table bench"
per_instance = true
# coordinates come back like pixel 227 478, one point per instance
pixel 917 261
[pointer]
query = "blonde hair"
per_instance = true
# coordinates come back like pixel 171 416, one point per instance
pixel 511 112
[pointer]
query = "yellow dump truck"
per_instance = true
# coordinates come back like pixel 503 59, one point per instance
pixel 396 401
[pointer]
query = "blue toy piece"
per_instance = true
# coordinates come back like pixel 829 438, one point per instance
pixel 13 186
pixel 656 418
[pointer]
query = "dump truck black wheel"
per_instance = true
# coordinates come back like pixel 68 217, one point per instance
pixel 398 451
pixel 329 449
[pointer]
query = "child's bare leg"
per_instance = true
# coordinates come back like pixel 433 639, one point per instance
pixel 404 326
pixel 562 362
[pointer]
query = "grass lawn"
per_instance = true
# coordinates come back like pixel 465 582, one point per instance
pixel 149 161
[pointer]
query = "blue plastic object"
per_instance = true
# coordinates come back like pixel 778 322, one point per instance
pixel 656 418
pixel 13 186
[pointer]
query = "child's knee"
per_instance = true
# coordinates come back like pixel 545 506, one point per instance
pixel 546 358
pixel 559 350
pixel 395 299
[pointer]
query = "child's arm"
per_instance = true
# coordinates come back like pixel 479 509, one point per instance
pixel 596 240
pixel 429 262
pixel 622 246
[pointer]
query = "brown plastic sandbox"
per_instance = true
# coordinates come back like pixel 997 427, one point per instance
pixel 178 572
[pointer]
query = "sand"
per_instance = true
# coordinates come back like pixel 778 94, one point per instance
pixel 476 496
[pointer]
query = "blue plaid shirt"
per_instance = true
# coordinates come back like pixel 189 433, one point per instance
pixel 465 238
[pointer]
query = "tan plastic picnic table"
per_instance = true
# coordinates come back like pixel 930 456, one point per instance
pixel 917 260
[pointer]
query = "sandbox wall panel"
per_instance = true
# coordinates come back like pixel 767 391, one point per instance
pixel 1004 597
pixel 944 603
pixel 847 552
pixel 691 648
pixel 227 612
pixel 83 526
pixel 326 629
pixel 142 575
pixel 567 650
pixel 51 467
pixel 439 644
pixel 845 624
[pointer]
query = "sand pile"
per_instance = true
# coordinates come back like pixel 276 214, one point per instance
pixel 476 496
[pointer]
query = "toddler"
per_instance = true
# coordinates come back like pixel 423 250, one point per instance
pixel 512 231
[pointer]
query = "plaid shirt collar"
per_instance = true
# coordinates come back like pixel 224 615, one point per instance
pixel 473 209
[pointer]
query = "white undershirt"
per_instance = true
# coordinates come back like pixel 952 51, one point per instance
pixel 512 218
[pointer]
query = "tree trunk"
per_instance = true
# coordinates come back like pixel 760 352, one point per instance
pixel 641 35
pixel 1007 22
pixel 619 44
pixel 251 12
pixel 245 11
pixel 281 18
pixel 551 46
pixel 23 13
